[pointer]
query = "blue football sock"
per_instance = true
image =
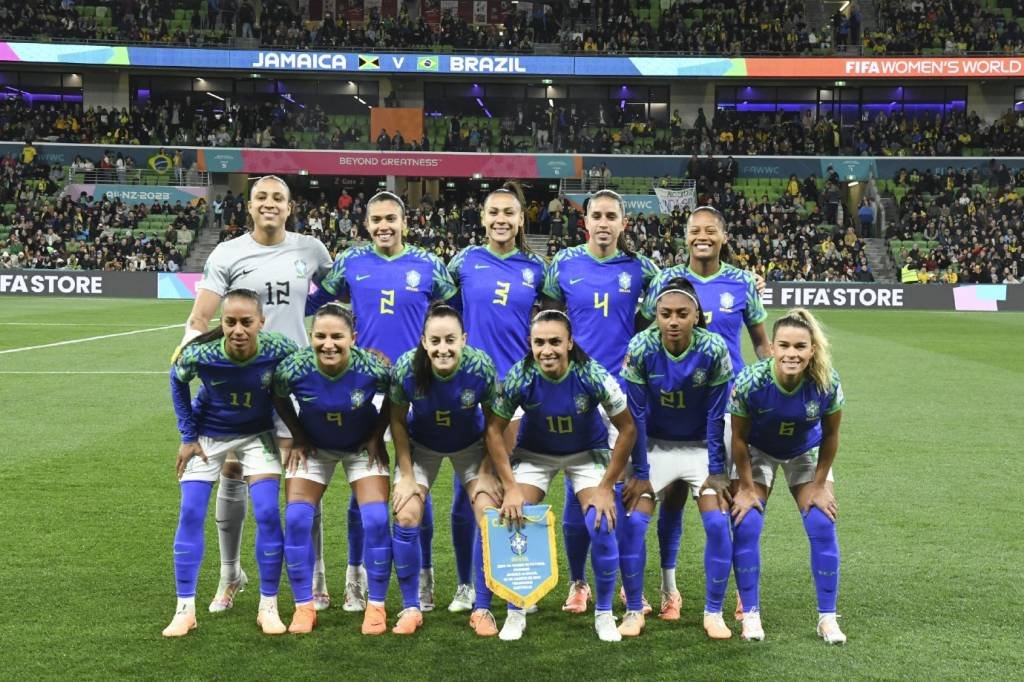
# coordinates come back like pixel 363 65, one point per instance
pixel 632 557
pixel 299 555
pixel 821 531
pixel 355 533
pixel 604 559
pixel 405 545
pixel 483 593
pixel 717 558
pixel 746 558
pixel 377 549
pixel 463 532
pixel 577 539
pixel 427 533
pixel 266 510
pixel 188 539
pixel 670 534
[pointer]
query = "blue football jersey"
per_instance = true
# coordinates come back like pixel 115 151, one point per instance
pixel 498 293
pixel 729 299
pixel 602 297
pixel 337 413
pixel 235 397
pixel 561 416
pixel 390 295
pixel 685 394
pixel 783 423
pixel 447 417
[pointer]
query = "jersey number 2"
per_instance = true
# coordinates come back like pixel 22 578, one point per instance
pixel 387 301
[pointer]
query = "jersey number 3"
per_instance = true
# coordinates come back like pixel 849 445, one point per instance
pixel 501 293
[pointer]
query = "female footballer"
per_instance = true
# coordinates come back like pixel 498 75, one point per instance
pixel 334 384
pixel 232 414
pixel 785 413
pixel 730 301
pixel 678 376
pixel 437 392
pixel 559 389
pixel 601 283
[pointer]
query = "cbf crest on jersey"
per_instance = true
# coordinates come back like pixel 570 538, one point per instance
pixel 412 280
pixel 300 268
pixel 468 398
pixel 357 397
pixel 266 379
pixel 528 277
pixel 625 282
pixel 700 377
pixel 725 302
pixel 582 403
pixel 813 409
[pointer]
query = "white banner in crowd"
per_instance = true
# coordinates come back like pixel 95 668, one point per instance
pixel 480 11
pixel 670 199
pixel 450 6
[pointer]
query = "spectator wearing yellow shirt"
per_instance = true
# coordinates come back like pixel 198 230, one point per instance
pixel 28 153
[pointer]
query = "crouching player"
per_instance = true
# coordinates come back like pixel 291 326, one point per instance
pixel 334 383
pixel 678 377
pixel 785 413
pixel 232 414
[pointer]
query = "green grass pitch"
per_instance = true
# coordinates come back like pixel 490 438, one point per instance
pixel 928 480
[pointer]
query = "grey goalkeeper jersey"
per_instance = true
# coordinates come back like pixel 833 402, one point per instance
pixel 281 274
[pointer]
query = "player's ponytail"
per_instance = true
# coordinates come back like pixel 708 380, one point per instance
pixel 422 371
pixel 218 331
pixel 820 367
pixel 681 285
pixel 552 313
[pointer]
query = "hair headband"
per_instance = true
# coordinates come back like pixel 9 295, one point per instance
pixel 678 291
pixel 536 317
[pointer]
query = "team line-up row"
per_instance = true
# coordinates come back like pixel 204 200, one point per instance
pixel 509 395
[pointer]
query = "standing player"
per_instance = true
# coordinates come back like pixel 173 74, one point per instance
pixel 560 388
pixel 786 412
pixel 334 384
pixel 446 383
pixel 601 283
pixel 499 285
pixel 390 285
pixel 232 414
pixel 730 301
pixel 678 375
pixel 279 265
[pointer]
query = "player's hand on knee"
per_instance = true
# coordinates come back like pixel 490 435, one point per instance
pixel 634 491
pixel 403 492
pixel 743 501
pixel 298 453
pixel 602 499
pixel 489 485
pixel 185 453
pixel 820 496
pixel 720 484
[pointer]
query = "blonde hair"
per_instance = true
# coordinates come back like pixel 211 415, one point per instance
pixel 820 366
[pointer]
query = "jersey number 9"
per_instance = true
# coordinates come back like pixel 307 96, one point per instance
pixel 334 418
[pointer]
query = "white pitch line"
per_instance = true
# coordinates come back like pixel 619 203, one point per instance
pixel 85 372
pixel 91 338
pixel 69 324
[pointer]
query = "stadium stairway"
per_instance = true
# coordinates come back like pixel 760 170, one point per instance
pixel 538 242
pixel 879 260
pixel 203 246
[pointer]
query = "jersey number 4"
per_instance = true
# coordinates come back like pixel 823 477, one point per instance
pixel 601 303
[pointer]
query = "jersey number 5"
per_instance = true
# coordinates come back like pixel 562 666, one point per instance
pixel 443 417
pixel 501 293
pixel 387 301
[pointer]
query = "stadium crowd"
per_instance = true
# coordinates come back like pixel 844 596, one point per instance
pixel 40 229
pixel 960 226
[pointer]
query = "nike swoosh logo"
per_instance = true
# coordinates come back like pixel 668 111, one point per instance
pixel 379 563
pixel 218 383
pixel 632 575
pixel 299 565
pixel 575 280
pixel 480 267
pixel 247 272
pixel 719 581
pixel 308 398
pixel 608 572
pixel 360 278
pixel 655 376
pixel 176 552
pixel 763 410
pixel 399 567
pixel 271 554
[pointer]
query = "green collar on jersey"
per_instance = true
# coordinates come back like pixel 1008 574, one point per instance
pixel 239 363
pixel 613 254
pixel 334 377
pixel 560 379
pixel 501 256
pixel 716 273
pixel 389 258
pixel 677 358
